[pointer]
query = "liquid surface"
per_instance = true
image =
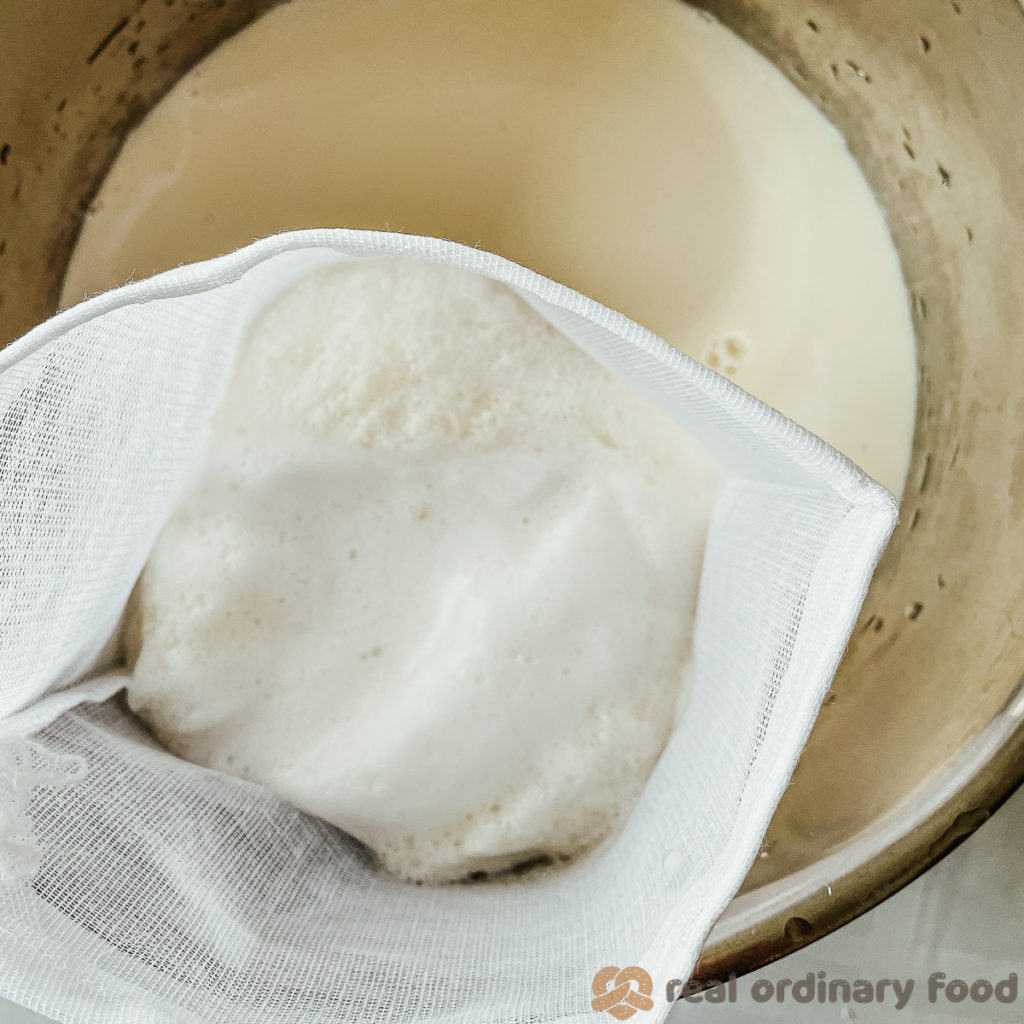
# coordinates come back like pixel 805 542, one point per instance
pixel 436 579
pixel 635 151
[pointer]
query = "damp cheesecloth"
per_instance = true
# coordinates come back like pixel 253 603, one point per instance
pixel 137 887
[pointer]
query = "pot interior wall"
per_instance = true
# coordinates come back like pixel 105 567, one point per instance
pixel 928 95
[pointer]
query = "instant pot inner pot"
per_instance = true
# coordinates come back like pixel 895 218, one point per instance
pixel 920 735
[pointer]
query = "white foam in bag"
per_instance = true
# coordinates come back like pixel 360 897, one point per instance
pixel 137 887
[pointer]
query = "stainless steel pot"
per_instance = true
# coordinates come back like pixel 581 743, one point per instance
pixel 923 733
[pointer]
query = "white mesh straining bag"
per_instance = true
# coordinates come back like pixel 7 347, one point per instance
pixel 137 887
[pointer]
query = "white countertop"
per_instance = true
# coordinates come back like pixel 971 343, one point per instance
pixel 964 917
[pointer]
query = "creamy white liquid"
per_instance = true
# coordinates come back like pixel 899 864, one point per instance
pixel 436 579
pixel 628 148
pixel 376 660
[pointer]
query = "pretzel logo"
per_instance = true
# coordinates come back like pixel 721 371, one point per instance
pixel 621 1001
